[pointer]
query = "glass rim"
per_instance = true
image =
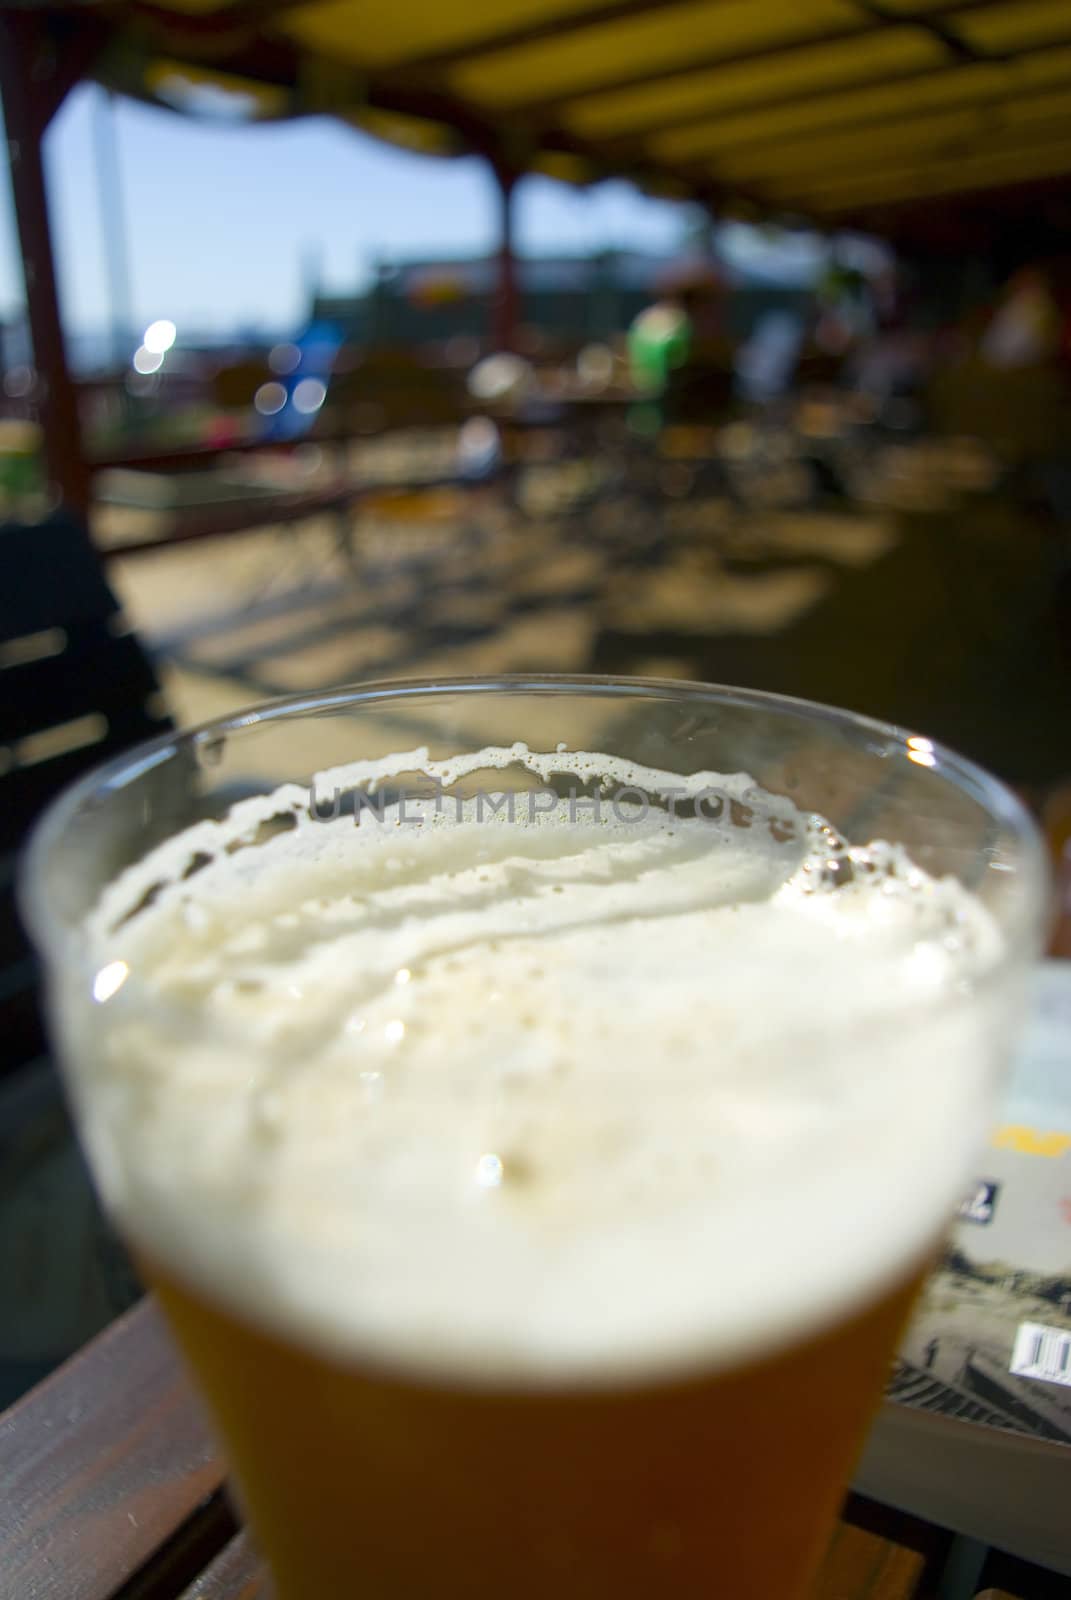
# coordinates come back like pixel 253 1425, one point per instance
pixel 995 796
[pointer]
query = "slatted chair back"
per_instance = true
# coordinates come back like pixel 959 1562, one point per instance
pixel 75 688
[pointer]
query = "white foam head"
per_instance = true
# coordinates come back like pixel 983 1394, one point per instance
pixel 532 1093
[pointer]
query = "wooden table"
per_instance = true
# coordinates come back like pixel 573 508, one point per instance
pixel 112 1490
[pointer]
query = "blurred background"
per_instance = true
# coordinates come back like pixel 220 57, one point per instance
pixel 339 339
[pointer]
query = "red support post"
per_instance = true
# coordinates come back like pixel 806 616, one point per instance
pixel 505 301
pixel 33 89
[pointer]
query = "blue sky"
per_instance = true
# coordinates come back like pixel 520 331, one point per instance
pixel 220 218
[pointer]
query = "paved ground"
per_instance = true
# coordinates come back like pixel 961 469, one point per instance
pixel 935 601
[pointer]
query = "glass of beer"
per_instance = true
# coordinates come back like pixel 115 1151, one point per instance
pixel 534 1104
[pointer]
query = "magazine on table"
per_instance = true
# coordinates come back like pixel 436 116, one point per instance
pixel 990 1340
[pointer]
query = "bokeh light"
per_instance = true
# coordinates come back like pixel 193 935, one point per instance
pixel 146 360
pixel 309 395
pixel 19 382
pixel 284 358
pixel 595 366
pixel 270 399
pixel 160 336
pixel 499 377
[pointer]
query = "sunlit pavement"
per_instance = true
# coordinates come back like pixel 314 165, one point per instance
pixel 952 618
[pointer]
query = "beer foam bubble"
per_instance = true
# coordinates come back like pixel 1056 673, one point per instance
pixel 599 1073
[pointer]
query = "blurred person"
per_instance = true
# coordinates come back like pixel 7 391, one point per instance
pixel 1026 327
pixel 659 341
pixel 1010 386
pixel 677 359
pixel 893 362
pixel 844 308
pixel 766 363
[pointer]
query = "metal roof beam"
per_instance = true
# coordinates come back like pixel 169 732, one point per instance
pixel 967 219
pixel 873 28
pixel 779 102
pixel 534 33
pixel 952 186
pixel 857 166
pixel 554 104
pixel 921 177
pixel 277 61
pixel 937 27
pixel 898 118
pixel 806 97
pixel 196 29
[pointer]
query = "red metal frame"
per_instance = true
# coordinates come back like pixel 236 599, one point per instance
pixel 39 63
pixel 505 305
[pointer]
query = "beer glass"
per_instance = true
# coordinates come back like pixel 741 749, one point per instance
pixel 408 1465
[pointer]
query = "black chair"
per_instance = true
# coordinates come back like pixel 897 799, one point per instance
pixel 75 688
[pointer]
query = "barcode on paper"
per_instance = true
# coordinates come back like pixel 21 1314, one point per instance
pixel 1042 1352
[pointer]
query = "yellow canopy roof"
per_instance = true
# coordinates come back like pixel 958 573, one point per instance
pixel 837 110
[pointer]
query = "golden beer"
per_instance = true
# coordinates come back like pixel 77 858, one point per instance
pixel 536 1169
pixel 358 1482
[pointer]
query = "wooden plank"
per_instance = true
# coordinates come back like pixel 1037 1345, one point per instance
pixel 861 1565
pixel 237 1573
pixel 186 1556
pixel 1007 1578
pixel 101 1465
pixel 878 1554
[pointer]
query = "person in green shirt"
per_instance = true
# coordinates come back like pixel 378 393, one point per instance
pixel 659 340
pixel 659 343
